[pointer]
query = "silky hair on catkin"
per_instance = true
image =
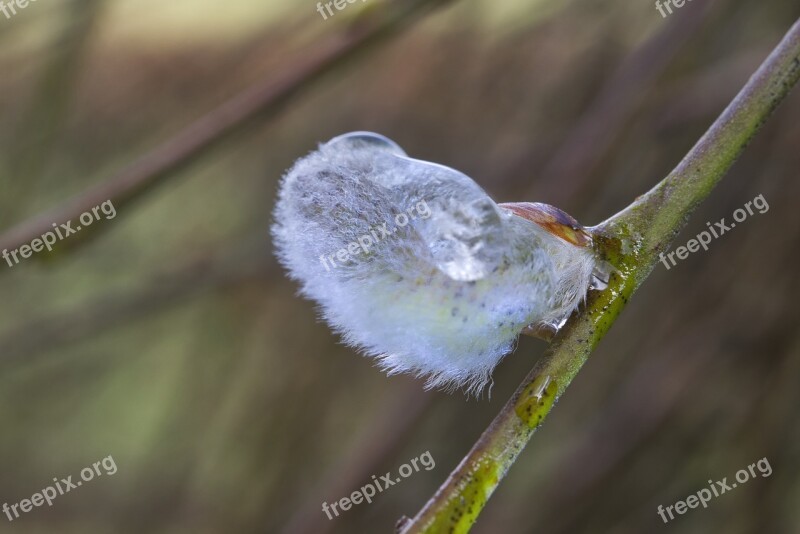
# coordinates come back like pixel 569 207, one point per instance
pixel 442 294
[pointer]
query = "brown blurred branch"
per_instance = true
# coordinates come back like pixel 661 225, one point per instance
pixel 573 165
pixel 262 100
pixel 46 112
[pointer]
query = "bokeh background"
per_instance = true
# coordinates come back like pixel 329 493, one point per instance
pixel 171 340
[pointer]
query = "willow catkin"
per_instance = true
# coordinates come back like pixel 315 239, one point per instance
pixel 413 263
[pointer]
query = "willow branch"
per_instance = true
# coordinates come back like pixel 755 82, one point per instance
pixel 631 241
pixel 256 103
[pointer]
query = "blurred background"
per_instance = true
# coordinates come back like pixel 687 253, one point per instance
pixel 169 339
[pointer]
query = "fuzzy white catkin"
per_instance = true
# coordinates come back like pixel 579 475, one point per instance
pixel 443 297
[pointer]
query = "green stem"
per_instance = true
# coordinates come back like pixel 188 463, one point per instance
pixel 631 241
